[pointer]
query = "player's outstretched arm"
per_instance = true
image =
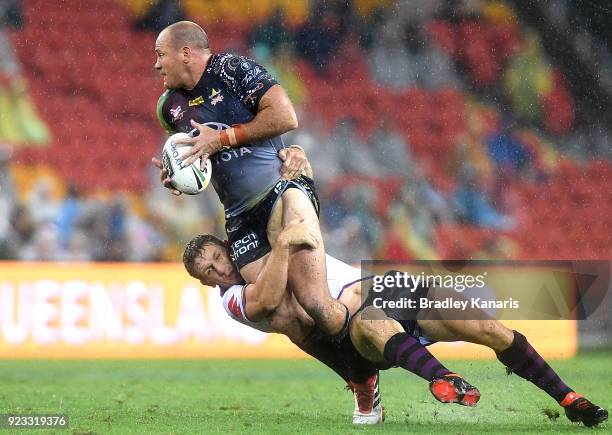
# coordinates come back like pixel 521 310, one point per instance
pixel 266 294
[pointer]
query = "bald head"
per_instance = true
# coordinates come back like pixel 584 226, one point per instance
pixel 187 34
pixel 182 54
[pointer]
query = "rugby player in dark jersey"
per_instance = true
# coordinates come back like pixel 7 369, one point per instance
pixel 240 111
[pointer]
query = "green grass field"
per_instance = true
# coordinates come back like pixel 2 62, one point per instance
pixel 282 397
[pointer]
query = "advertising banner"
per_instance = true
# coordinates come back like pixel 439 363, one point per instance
pixel 155 310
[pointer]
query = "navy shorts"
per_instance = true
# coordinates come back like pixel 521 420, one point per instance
pixel 404 316
pixel 247 232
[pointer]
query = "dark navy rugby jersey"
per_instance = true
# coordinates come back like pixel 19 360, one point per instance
pixel 228 93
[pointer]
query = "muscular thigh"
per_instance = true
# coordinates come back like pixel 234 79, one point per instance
pixel 250 272
pixel 275 223
pixel 293 205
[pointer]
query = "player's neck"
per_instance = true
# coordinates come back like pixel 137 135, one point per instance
pixel 196 70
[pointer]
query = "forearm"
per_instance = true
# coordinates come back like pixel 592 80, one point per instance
pixel 270 287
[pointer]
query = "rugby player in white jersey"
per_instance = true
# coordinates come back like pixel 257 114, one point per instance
pixel 390 341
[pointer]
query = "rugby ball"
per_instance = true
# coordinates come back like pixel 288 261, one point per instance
pixel 187 179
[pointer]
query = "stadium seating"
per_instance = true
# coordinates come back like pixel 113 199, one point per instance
pixel 92 79
pixel 98 121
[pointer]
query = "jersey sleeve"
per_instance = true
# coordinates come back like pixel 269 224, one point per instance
pixel 247 79
pixel 234 303
pixel 163 114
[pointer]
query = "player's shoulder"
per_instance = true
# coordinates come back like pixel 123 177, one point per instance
pixel 170 107
pixel 162 110
pixel 163 98
pixel 229 63
pixel 233 300
pixel 170 96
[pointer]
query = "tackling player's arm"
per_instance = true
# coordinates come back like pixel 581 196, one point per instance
pixel 295 163
pixel 263 296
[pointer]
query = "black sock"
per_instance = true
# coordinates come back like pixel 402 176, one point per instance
pixel 521 358
pixel 403 350
pixel 340 356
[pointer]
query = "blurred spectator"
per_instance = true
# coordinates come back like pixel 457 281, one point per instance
pixel 7 198
pixel 347 241
pixel 69 213
pixel 389 148
pixel 353 153
pixel 416 212
pixel 362 197
pixel 22 231
pixel 390 63
pixel 404 57
pixel 319 38
pixel 44 246
pixel 78 248
pixel 11 13
pixel 527 78
pixel 271 33
pixel 19 122
pixel 506 149
pixel 473 205
pixel 496 247
pixel 160 15
pixel 282 67
pixel 42 205
pixel 594 16
pixel 322 155
pixel 503 197
pixel 145 242
pixel 117 217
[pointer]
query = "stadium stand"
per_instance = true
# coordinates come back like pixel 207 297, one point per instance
pixel 480 124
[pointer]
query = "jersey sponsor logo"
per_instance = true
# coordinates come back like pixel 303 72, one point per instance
pixel 226 156
pixel 244 245
pixel 177 113
pixel 196 102
pixel 234 307
pixel 216 125
pixel 215 97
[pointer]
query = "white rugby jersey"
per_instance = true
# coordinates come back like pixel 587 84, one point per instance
pixel 339 276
